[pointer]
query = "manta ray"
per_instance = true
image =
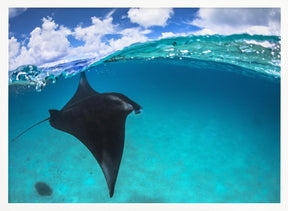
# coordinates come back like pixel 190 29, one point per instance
pixel 98 121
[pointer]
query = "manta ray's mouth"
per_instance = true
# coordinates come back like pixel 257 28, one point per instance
pixel 138 111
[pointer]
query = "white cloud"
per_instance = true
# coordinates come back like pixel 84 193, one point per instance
pixel 150 17
pixel 92 37
pixel 13 12
pixel 171 34
pixel 129 36
pixel 226 21
pixel 49 43
pixel 14 46
pixel 46 44
pixel 96 30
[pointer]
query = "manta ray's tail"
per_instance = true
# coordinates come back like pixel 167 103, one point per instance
pixel 29 128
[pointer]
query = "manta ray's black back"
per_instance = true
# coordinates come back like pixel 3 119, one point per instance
pixel 98 121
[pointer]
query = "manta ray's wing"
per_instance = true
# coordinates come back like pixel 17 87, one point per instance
pixel 84 90
pixel 102 131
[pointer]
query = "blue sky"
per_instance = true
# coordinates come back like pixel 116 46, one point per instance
pixel 21 25
pixel 46 36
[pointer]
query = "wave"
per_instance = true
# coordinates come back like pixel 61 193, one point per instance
pixel 258 53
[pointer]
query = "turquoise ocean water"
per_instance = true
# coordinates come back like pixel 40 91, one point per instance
pixel 209 130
